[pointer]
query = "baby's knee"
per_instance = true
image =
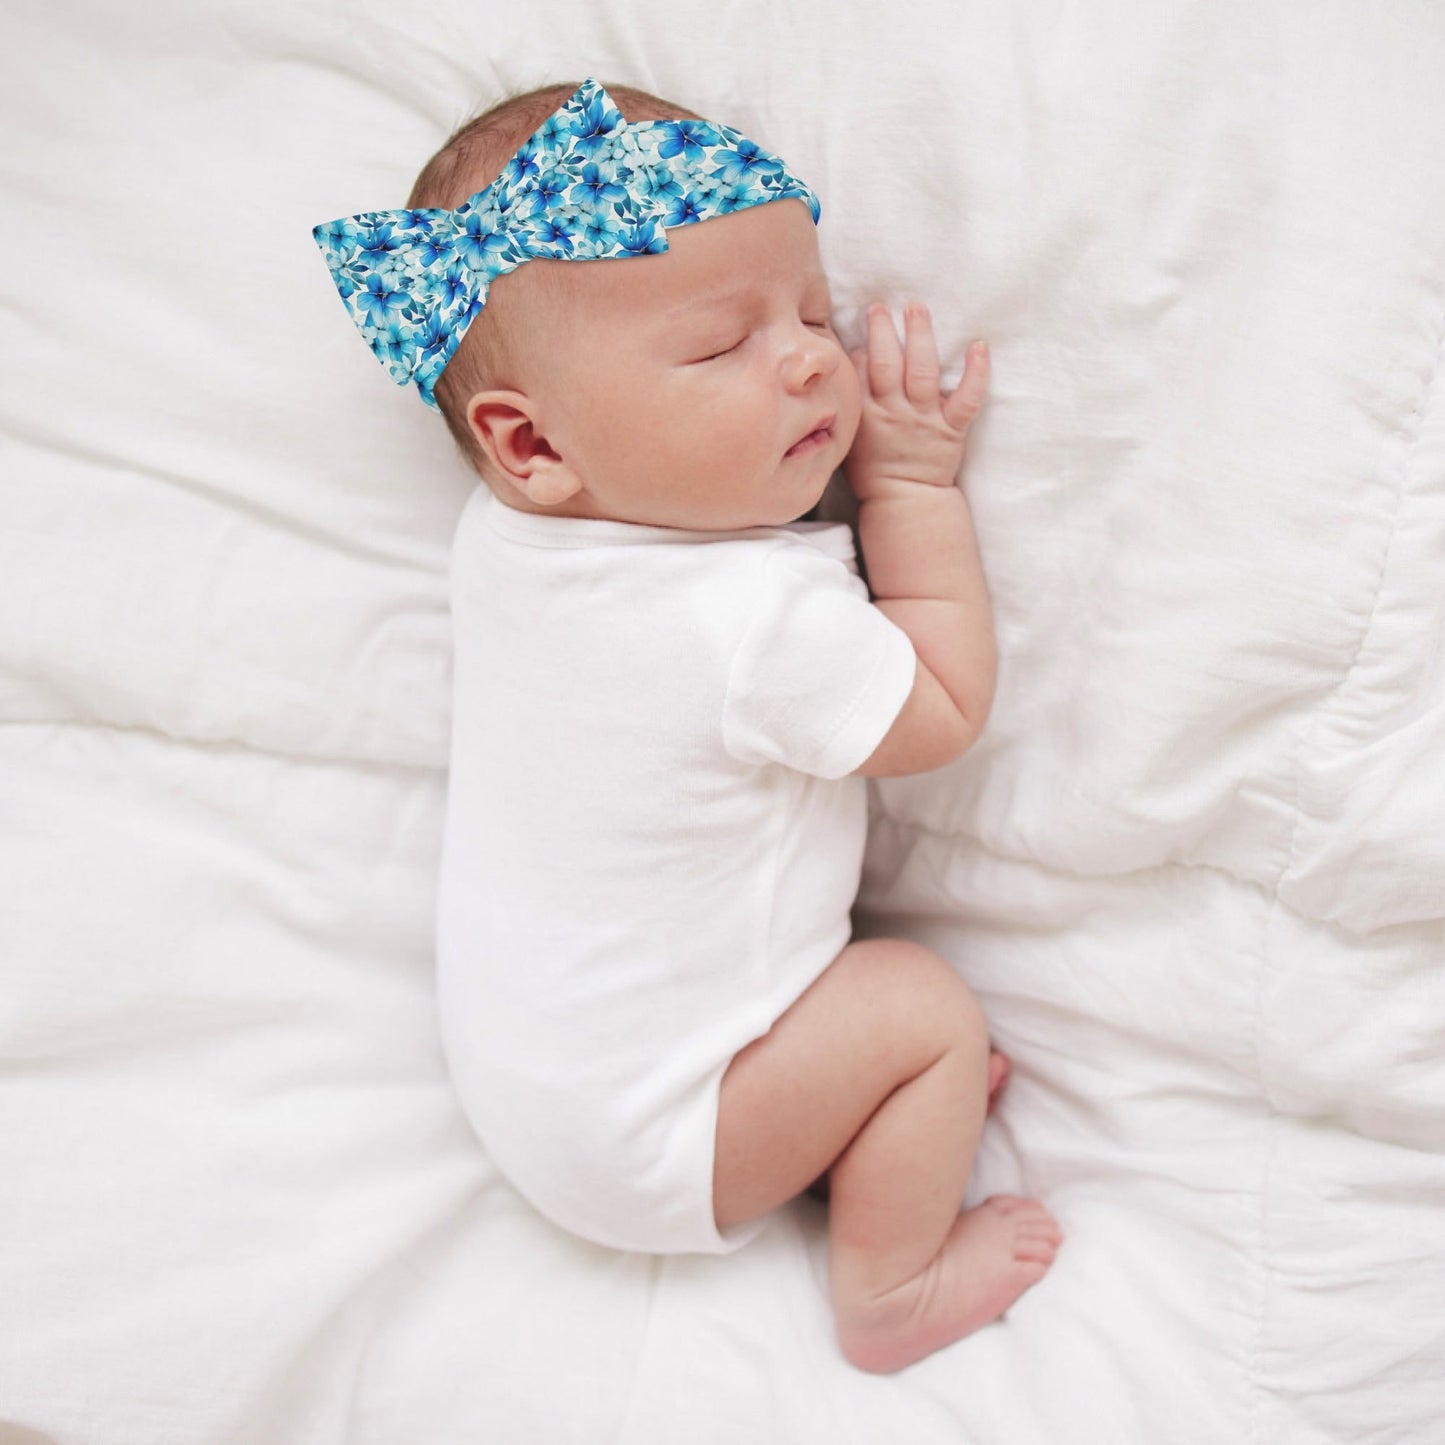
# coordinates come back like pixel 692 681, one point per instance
pixel 927 991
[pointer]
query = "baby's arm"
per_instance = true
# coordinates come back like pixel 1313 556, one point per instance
pixel 917 536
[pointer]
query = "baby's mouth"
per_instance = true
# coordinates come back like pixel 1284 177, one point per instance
pixel 819 436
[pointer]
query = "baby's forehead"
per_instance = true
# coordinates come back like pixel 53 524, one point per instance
pixel 729 261
pixel 702 267
pixel 727 288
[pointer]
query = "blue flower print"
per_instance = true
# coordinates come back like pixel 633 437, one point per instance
pixel 381 301
pixel 551 190
pixel 595 122
pixel 601 235
pixel 519 172
pixel 549 236
pixel 642 240
pixel 598 187
pixel 394 338
pixel 432 335
pixel 684 208
pixel 477 245
pixel 746 160
pixel 690 139
pixel 337 237
pixel 434 250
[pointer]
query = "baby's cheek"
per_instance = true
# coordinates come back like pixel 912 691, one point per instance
pixel 850 405
pixel 714 415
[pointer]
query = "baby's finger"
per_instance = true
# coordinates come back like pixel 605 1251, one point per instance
pixel 920 374
pixel 885 354
pixel 962 404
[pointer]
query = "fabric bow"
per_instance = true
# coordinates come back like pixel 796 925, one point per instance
pixel 585 186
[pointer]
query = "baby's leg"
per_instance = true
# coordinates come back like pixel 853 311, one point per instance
pixel 999 1068
pixel 881 1070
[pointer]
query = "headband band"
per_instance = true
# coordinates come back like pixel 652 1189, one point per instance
pixel 585 186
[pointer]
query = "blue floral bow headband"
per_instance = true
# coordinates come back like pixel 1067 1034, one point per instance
pixel 586 186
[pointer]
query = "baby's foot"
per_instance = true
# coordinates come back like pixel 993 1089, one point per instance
pixel 998 1071
pixel 992 1254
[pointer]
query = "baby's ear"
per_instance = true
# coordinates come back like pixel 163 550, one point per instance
pixel 502 422
pixel 548 486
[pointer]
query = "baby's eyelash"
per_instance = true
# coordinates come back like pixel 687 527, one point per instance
pixel 723 352
pixel 821 325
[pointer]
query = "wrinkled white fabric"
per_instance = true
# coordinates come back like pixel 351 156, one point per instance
pixel 1195 867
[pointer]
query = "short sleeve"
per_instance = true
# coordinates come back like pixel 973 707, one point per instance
pixel 820 673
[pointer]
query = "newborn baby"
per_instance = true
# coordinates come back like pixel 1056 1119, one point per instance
pixel 668 694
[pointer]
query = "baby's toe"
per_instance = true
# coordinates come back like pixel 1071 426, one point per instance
pixel 1035 1247
pixel 1009 1203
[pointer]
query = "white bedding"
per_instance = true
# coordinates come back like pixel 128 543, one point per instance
pixel 1195 869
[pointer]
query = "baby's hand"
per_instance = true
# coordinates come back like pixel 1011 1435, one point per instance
pixel 908 435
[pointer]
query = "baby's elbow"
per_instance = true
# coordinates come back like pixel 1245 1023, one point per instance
pixel 960 731
pixel 924 747
pixel 973 718
pixel 965 731
pixel 975 705
pixel 934 728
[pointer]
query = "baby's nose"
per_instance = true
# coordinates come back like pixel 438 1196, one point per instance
pixel 813 353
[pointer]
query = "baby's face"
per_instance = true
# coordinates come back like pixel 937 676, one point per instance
pixel 684 379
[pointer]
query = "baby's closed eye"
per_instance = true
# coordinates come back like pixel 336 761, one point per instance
pixel 714 356
pixel 824 325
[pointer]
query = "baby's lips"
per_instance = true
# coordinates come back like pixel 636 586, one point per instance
pixel 823 423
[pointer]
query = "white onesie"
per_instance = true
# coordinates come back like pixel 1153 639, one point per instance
pixel 652 840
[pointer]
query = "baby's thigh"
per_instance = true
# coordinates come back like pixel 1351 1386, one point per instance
pixel 879 1015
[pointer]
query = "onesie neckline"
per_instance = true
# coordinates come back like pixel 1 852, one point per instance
pixel 538 530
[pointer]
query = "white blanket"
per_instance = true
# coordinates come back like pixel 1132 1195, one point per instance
pixel 1195 869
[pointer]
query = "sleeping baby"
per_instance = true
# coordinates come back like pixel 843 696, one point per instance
pixel 669 692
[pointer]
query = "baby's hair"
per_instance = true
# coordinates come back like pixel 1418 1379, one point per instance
pixel 470 159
